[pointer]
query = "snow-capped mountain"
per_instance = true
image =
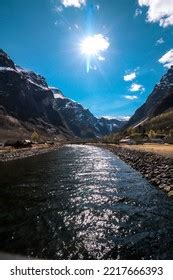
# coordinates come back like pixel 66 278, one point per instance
pixel 111 125
pixel 28 103
pixel 81 121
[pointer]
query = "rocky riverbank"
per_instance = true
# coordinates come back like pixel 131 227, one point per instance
pixel 157 169
pixel 13 154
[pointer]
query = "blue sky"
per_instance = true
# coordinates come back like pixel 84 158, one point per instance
pixel 134 47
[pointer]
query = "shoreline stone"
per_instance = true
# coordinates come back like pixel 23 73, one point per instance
pixel 157 169
pixel 29 152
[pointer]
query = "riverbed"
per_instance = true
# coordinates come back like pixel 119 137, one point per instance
pixel 82 202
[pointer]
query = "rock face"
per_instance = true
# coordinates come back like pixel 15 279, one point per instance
pixel 5 60
pixel 28 103
pixel 111 125
pixel 159 101
pixel 81 121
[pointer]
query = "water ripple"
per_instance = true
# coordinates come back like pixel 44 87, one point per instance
pixel 82 202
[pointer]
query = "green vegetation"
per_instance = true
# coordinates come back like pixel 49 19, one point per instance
pixel 162 123
pixel 157 127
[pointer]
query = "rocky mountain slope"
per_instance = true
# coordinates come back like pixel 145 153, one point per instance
pixel 159 101
pixel 27 103
pixel 81 121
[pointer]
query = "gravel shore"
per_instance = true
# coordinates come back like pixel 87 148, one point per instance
pixel 8 155
pixel 157 169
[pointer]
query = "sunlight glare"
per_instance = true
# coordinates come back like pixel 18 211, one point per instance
pixel 93 46
pixel 90 46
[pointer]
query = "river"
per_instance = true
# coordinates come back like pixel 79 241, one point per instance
pixel 82 202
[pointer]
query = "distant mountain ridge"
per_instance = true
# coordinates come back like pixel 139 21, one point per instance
pixel 158 102
pixel 81 121
pixel 27 103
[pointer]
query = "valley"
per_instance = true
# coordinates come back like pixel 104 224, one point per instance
pixel 39 122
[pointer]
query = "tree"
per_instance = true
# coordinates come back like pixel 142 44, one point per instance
pixel 158 132
pixel 136 136
pixel 35 137
pixel 171 132
pixel 152 134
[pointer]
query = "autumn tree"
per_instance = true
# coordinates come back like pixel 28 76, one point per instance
pixel 35 137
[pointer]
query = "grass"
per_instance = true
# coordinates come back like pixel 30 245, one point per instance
pixel 161 149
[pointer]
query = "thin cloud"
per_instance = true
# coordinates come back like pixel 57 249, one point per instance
pixel 76 26
pixel 93 67
pixel 130 77
pixel 138 12
pixel 58 9
pixel 97 7
pixel 160 41
pixel 160 11
pixel 167 59
pixel 131 97
pixel 123 118
pixel 136 87
pixel 101 58
pixel 119 118
pixel 73 3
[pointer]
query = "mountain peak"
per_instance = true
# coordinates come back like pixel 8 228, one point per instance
pixel 35 105
pixel 5 60
pixel 160 100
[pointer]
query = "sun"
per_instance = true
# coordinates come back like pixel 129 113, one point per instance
pixel 93 47
pixel 90 46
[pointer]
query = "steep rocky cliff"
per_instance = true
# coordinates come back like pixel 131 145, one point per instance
pixel 27 103
pixel 81 121
pixel 158 102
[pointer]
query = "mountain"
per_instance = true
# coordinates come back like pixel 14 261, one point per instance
pixel 81 121
pixel 111 125
pixel 158 102
pixel 27 103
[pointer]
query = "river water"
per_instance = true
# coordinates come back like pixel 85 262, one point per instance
pixel 82 202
